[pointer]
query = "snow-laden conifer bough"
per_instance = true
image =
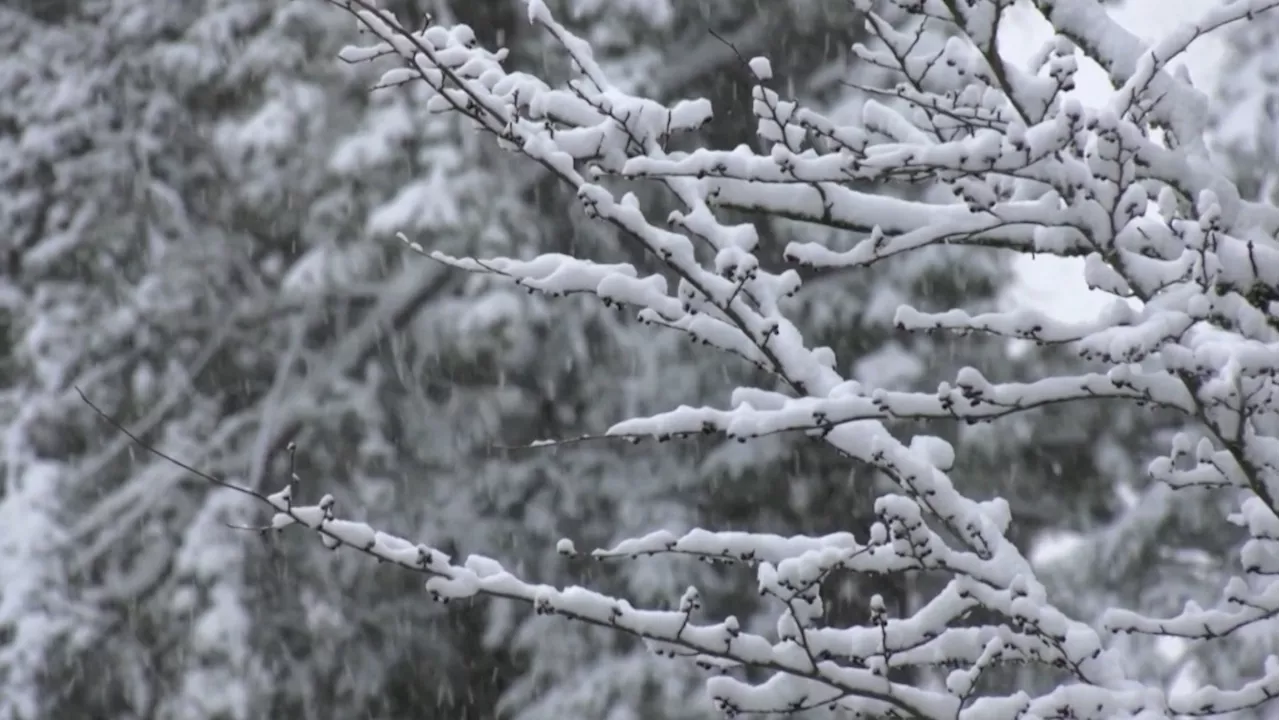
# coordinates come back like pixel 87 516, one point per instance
pixel 1129 187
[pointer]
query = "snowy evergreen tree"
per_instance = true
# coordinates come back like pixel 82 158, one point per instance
pixel 226 299
pixel 104 216
pixel 1245 105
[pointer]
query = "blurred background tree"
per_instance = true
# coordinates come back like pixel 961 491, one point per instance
pixel 1244 105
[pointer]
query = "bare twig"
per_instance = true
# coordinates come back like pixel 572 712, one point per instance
pixel 166 457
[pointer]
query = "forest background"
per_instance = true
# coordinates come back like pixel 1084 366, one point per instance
pixel 198 208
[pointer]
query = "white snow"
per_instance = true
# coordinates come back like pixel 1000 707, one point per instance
pixel 1055 285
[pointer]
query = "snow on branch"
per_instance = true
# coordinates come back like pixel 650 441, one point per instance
pixel 1006 159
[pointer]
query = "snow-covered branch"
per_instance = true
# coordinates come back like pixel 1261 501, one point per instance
pixel 1006 159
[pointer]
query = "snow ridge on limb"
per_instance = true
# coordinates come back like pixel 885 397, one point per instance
pixel 1027 170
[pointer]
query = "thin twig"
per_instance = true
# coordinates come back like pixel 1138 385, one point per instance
pixel 169 458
